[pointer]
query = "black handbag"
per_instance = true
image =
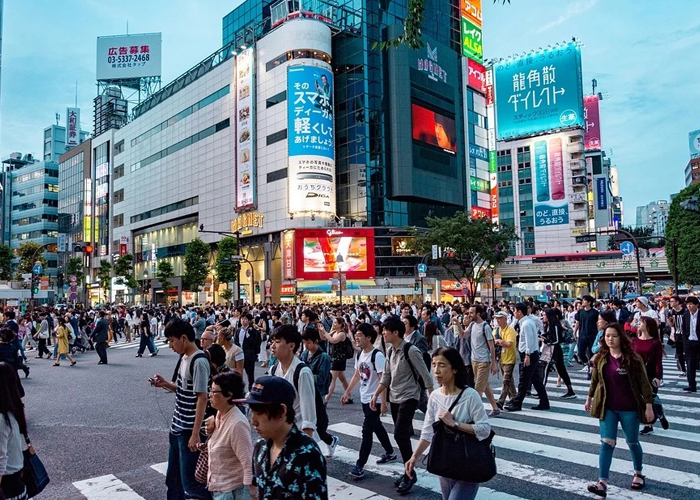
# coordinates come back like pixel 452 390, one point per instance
pixel 461 456
pixel 34 473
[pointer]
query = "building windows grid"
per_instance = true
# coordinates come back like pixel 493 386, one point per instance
pixel 166 209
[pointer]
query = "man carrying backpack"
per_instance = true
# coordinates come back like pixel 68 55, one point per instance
pixel 404 367
pixel 369 368
pixel 308 404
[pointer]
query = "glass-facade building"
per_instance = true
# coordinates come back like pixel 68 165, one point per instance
pixel 368 176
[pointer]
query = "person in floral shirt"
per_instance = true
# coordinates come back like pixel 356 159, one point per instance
pixel 287 464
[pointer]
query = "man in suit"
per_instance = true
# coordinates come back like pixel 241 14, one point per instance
pixel 248 339
pixel 622 314
pixel 100 336
pixel 691 342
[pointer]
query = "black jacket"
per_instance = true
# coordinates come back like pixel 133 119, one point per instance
pixel 251 342
pixel 686 326
pixel 101 334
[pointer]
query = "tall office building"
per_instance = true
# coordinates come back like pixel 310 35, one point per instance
pixel 654 215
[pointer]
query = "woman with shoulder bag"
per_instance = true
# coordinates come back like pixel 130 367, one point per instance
pixel 13 428
pixel 619 393
pixel 467 416
pixel 338 353
pixel 229 447
pixel 63 343
pixel 648 345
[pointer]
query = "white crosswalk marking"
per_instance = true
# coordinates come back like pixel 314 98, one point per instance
pixel 540 454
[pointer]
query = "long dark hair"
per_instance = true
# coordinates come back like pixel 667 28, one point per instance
pixel 625 346
pixel 431 330
pixel 456 362
pixel 10 399
pixel 653 330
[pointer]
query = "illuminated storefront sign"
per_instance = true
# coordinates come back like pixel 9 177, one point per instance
pixel 288 290
pixel 401 245
pixel 246 221
pixel 321 253
pixel 245 130
pixel 288 255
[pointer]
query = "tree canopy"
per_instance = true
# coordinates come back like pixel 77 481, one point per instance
pixel 29 253
pixel 683 225
pixel 196 264
pixel 124 271
pixel 643 238
pixel 468 245
pixel 104 275
pixel 226 269
pixel 6 256
pixel 164 273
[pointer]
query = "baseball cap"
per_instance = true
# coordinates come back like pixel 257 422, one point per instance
pixel 270 390
pixel 500 314
pixel 643 300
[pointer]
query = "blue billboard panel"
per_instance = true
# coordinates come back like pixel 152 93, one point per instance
pixel 539 92
pixel 310 111
pixel 547 215
pixel 602 193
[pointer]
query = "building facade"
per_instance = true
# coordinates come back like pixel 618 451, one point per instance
pixel 654 215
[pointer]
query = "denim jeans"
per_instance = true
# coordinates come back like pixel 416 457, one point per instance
pixel 458 490
pixel 372 425
pixel 242 493
pixel 608 430
pixel 179 477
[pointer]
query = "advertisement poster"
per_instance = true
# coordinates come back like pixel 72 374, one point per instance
pixel 591 111
pixel 538 92
pixel 125 57
pixel 311 140
pixel 471 9
pixel 552 207
pixel 245 130
pixel 602 193
pixel 694 143
pixel 472 45
pixel 320 253
pixel 72 127
pixel 288 255
pixel 434 129
pixel 477 76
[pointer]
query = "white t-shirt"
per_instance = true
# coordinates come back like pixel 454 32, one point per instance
pixel 370 376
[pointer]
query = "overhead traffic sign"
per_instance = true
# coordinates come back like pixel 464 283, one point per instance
pixel 38 268
pixel 627 248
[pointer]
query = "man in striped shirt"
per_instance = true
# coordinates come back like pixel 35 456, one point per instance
pixel 190 385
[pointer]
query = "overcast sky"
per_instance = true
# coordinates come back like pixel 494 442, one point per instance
pixel 642 54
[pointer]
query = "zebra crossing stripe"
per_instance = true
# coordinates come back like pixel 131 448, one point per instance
pixel 543 477
pixel 107 487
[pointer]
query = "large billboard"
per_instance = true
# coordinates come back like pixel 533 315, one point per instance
pixel 434 129
pixel 311 140
pixel 477 76
pixel 539 92
pixel 126 57
pixel 321 253
pixel 551 206
pixel 245 130
pixel 694 143
pixel 591 113
pixel 72 127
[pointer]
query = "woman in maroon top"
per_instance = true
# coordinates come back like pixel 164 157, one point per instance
pixel 648 345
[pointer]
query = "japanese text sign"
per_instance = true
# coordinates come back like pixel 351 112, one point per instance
pixel 591 111
pixel 477 76
pixel 471 9
pixel 539 92
pixel 472 44
pixel 245 131
pixel 128 56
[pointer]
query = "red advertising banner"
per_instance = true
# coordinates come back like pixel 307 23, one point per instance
pixel 489 95
pixel 591 113
pixel 288 290
pixel 288 255
pixel 477 76
pixel 321 253
pixel 480 212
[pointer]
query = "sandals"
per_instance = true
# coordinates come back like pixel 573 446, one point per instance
pixel 56 364
pixel 599 488
pixel 638 486
pixel 73 363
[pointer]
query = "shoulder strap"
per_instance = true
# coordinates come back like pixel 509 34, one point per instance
pixel 406 348
pixel 194 358
pixel 374 357
pixel 297 371
pixel 177 369
pixel 454 403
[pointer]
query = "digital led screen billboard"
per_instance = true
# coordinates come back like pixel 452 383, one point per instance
pixel 591 112
pixel 434 129
pixel 538 92
pixel 320 253
pixel 311 140
pixel 551 207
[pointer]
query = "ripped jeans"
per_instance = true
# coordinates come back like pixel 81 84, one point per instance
pixel 608 431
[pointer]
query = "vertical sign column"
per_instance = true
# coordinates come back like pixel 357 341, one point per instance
pixel 244 118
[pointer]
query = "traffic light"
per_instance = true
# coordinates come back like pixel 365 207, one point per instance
pixel 416 286
pixel 36 289
pixel 257 288
pixel 85 248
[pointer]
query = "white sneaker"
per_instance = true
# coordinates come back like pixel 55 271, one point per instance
pixel 661 383
pixel 332 447
pixel 584 369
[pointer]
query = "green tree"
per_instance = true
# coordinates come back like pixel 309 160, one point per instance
pixel 227 295
pixel 642 234
pixel 412 26
pixel 683 225
pixel 468 245
pixel 164 273
pixel 28 254
pixel 124 272
pixel 226 269
pixel 104 276
pixel 6 256
pixel 196 264
pixel 75 267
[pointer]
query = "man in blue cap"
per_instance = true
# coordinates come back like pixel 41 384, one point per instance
pixel 286 461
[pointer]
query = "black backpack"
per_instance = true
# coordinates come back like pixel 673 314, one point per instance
pixel 321 415
pixel 210 411
pixel 423 400
pixel 372 359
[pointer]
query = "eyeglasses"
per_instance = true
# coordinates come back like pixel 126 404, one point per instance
pixel 215 392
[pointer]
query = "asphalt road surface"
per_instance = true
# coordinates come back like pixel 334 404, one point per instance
pixel 102 432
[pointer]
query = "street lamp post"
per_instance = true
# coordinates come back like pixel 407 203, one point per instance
pixel 145 282
pixel 493 284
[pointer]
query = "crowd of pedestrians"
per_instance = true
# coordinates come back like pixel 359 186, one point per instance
pixel 437 359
